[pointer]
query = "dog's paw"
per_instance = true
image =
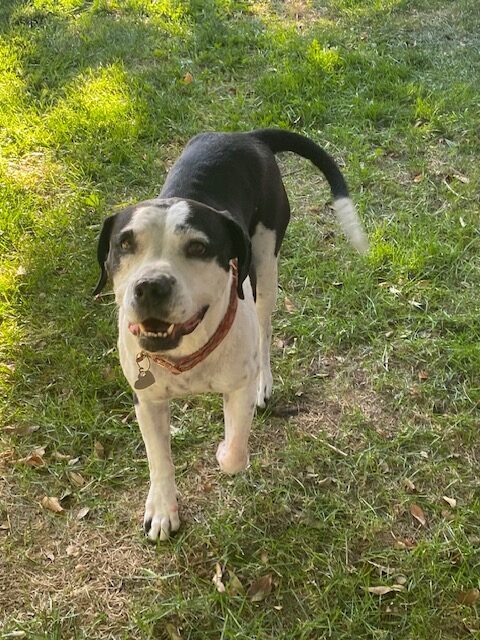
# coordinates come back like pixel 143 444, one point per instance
pixel 264 388
pixel 161 515
pixel 231 461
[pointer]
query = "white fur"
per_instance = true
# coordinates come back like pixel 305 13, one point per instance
pixel 265 260
pixel 232 369
pixel 350 223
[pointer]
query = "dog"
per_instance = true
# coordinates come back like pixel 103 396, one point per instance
pixel 194 273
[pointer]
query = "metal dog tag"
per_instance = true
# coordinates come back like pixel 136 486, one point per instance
pixel 144 380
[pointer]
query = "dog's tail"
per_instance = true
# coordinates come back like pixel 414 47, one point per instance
pixel 279 140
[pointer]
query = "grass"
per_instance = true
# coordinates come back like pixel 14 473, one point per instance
pixel 376 360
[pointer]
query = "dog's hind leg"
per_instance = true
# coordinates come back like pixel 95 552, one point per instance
pixel 265 261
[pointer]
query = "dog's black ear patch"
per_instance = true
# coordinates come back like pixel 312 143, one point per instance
pixel 242 248
pixel 103 248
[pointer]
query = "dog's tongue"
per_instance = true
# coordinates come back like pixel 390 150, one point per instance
pixel 134 328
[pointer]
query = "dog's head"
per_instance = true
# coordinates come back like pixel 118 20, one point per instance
pixel 169 262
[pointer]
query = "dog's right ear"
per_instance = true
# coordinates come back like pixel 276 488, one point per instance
pixel 103 248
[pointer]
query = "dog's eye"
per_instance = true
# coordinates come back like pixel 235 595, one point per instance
pixel 196 249
pixel 126 242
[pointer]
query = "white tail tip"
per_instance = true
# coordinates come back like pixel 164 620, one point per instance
pixel 350 223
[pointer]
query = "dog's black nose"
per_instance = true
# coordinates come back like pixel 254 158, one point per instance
pixel 154 289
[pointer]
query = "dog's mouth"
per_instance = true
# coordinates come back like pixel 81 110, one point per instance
pixel 155 334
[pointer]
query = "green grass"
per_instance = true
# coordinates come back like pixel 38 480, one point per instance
pixel 377 364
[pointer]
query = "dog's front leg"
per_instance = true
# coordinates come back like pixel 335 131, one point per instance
pixel 161 508
pixel 238 410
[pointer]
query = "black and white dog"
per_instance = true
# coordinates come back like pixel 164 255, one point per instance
pixel 195 278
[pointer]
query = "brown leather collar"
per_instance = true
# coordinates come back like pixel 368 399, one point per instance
pixel 188 362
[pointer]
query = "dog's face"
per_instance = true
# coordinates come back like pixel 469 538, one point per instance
pixel 169 262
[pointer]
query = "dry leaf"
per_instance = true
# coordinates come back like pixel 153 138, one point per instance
pixel 7 456
pixel 21 271
pixel 21 430
pixel 33 460
pixel 56 455
pixel 469 597
pixel 5 526
pixel 450 501
pixel 234 586
pixel 76 479
pixel 52 504
pixel 383 590
pixel 217 579
pixel 73 550
pixel 418 178
pixel 461 178
pixel 172 632
pixel 409 485
pixel 401 579
pixel 418 514
pixel 50 555
pixel 289 306
pixel 99 450
pixel 404 543
pixel 260 589
pixel 187 78
pixel 422 375
pixel 84 511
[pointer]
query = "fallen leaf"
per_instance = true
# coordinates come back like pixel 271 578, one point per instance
pixel 50 555
pixel 404 543
pixel 394 291
pixel 21 271
pixel 234 586
pixel 422 375
pixel 260 589
pixel 7 456
pixel 461 178
pixel 401 579
pixel 21 430
pixel 5 526
pixel 72 550
pixel 383 590
pixel 416 304
pixel 418 514
pixel 450 501
pixel 84 511
pixel 99 450
pixel 217 579
pixel 187 78
pixel 469 597
pixel 172 632
pixel 76 479
pixel 52 504
pixel 409 485
pixel 289 306
pixel 418 178
pixel 56 455
pixel 33 460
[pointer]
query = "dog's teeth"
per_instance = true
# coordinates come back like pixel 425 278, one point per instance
pixel 164 334
pixel 170 329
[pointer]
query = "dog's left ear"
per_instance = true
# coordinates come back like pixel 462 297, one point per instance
pixel 103 248
pixel 242 249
